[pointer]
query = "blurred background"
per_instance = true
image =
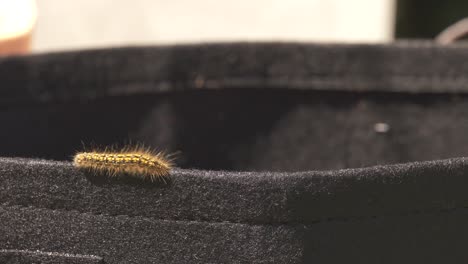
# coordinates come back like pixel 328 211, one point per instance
pixel 65 25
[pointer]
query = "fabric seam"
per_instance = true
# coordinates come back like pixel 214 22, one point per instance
pixel 292 223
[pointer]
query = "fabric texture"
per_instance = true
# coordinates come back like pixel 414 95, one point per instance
pixel 285 153
pixel 24 256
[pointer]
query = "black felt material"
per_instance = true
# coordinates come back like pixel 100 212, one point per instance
pixel 416 238
pixel 114 221
pixel 89 74
pixel 253 130
pixel 280 158
pixel 252 198
pixel 123 239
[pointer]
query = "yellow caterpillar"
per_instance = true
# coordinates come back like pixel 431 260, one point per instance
pixel 136 162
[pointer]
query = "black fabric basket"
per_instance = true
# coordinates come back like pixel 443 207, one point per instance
pixel 287 153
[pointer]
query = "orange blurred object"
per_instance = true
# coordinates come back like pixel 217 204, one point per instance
pixel 18 45
pixel 17 21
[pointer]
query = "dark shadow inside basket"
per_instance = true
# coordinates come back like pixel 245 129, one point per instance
pixel 248 129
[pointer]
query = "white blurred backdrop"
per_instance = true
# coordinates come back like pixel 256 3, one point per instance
pixel 64 25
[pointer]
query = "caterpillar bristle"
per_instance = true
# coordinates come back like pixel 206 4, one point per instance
pixel 139 162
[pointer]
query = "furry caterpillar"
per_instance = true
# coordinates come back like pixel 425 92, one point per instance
pixel 138 163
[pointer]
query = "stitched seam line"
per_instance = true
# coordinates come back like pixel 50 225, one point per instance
pixel 449 86
pixel 48 253
pixel 292 223
pixel 343 77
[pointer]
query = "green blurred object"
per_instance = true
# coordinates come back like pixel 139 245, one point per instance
pixel 427 18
